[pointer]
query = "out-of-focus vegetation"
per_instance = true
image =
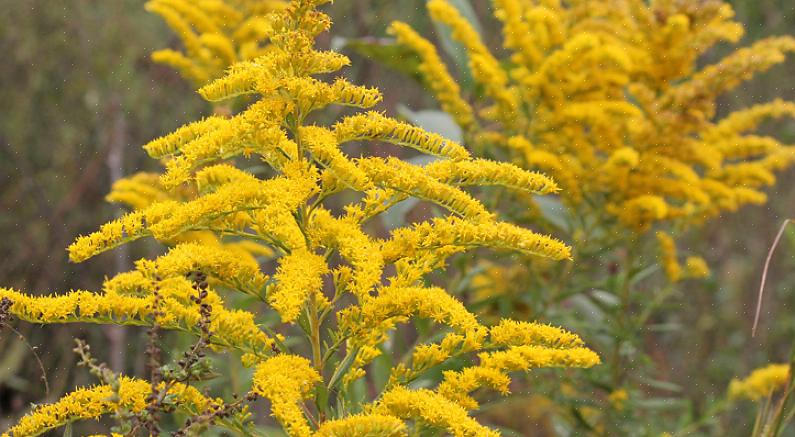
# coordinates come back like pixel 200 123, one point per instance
pixel 80 94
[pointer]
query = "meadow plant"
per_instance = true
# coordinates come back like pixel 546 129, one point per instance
pixel 215 34
pixel 323 297
pixel 614 100
pixel 608 97
pixel 771 387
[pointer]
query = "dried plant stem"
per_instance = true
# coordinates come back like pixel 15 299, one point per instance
pixel 764 275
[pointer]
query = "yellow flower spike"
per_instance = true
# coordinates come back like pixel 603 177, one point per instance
pixel 456 386
pixel 251 132
pixel 484 66
pixel 400 303
pixel 432 409
pixel 196 16
pixel 347 94
pixel 230 328
pixel 216 34
pixel 761 382
pixel 137 191
pixel 412 180
pixel 374 126
pixel 248 250
pixel 480 172
pixel 224 265
pixel 280 227
pixel 219 48
pixel 618 398
pixel 93 402
pixel 640 212
pixel 299 275
pixel 550 163
pixel 743 120
pixel 277 193
pixel 354 245
pixel 133 283
pixel 435 74
pixel 171 143
pixel 182 64
pixel 696 267
pixel 668 259
pixel 177 23
pixel 286 381
pixel 451 231
pixel 240 79
pixel 363 425
pixel 516 333
pixel 426 356
pixel 322 144
pixel 731 71
pixel 129 227
pixel 748 174
pixel 491 371
pixel 211 178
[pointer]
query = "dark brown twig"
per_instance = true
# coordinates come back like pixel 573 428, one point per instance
pixel 163 379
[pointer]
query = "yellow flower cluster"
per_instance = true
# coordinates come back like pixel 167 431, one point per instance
pixel 363 425
pixel 93 402
pixel 286 380
pixel 431 408
pixel 527 346
pixel 607 97
pixel 338 291
pixel 761 382
pixel 215 34
pixel 695 267
pixel 173 309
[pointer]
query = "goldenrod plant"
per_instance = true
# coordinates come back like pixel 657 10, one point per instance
pixel 771 387
pixel 616 101
pixel 607 97
pixel 214 34
pixel 324 295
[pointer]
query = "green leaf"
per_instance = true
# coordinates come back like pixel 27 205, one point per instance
pixel 385 51
pixel 455 50
pixel 553 211
pixel 342 368
pixel 663 385
pixel 322 398
pixel 382 369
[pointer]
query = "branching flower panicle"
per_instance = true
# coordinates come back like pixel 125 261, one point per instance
pixel 609 100
pixel 294 239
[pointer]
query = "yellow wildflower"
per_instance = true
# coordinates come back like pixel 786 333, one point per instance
pixel 436 75
pixel 286 380
pixel 673 270
pixel 299 275
pixel 363 425
pixel 93 402
pixel 430 408
pixel 761 382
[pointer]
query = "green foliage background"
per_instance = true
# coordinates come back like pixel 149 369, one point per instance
pixel 79 95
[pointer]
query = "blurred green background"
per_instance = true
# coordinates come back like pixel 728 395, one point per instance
pixel 79 95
